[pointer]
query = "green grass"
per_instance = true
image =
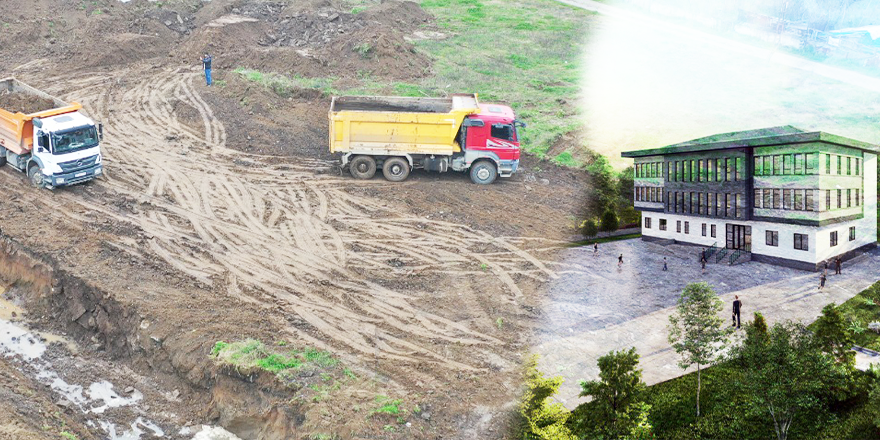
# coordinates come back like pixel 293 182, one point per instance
pixel 387 405
pixel 251 353
pixel 536 70
pixel 285 85
pixel 605 239
pixel 863 309
pixel 68 436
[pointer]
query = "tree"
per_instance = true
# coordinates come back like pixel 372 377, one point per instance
pixel 832 335
pixel 616 409
pixel 590 228
pixel 542 420
pixel 696 332
pixel 610 222
pixel 786 374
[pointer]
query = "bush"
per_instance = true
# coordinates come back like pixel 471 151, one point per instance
pixel 590 228
pixel 542 420
pixel 610 222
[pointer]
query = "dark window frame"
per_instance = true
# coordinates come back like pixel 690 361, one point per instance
pixel 801 242
pixel 833 238
pixel 772 238
pixel 852 233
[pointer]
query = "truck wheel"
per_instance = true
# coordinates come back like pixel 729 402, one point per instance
pixel 363 167
pixel 483 172
pixel 396 169
pixel 2 156
pixel 36 176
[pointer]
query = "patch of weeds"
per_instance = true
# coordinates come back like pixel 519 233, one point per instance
pixel 252 353
pixel 281 343
pixel 322 392
pixel 565 159
pixel 68 435
pixel 358 9
pixel 484 267
pixel 320 358
pixel 389 428
pixel 348 373
pixel 499 322
pixel 364 49
pixel 322 436
pixel 220 83
pixel 283 85
pixel 97 12
pixel 388 405
pixel 277 363
pixel 218 347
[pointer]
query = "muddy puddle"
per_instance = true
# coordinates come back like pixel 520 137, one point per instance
pixel 96 400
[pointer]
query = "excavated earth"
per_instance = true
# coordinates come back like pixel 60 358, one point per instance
pixel 222 217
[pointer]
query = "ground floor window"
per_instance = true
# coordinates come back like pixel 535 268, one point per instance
pixel 801 242
pixel 687 227
pixel 772 238
pixel 662 224
pixel 834 238
pixel 678 226
pixel 647 222
pixel 704 229
pixel 852 233
pixel 712 229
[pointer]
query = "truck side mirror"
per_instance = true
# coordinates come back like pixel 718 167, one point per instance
pixel 101 132
pixel 520 124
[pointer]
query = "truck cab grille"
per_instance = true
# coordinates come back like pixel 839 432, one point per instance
pixel 79 164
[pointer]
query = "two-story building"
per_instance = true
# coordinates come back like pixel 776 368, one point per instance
pixel 784 195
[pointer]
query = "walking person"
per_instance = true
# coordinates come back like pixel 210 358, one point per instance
pixel 737 304
pixel 664 265
pixel 826 266
pixel 703 263
pixel 595 249
pixel 837 262
pixel 822 278
pixel 620 261
pixel 206 63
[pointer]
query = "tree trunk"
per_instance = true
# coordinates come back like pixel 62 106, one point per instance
pixel 699 384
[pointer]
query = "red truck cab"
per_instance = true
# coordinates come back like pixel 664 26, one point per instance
pixel 492 133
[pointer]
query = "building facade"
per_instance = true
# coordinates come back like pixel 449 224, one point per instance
pixel 781 195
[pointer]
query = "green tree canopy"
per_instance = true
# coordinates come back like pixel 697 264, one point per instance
pixel 832 334
pixel 696 331
pixel 617 408
pixel 542 419
pixel 610 222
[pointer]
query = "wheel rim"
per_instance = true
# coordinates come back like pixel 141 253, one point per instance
pixel 362 167
pixel 396 170
pixel 483 173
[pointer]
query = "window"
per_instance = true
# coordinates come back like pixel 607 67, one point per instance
pixel 736 201
pixel 704 229
pixel 700 203
pixel 858 199
pixel 700 170
pixel 678 171
pixel 737 164
pixel 719 205
pixel 809 165
pixel 758 199
pixel 768 165
pixel 852 233
pixel 808 200
pixel 668 171
pixel 730 164
pixel 848 198
pixel 687 227
pixel 503 131
pixel 828 200
pixel 799 164
pixel 758 163
pixel 834 238
pixel 710 164
pixel 849 166
pixel 647 222
pixel 827 164
pixel 768 199
pixel 839 162
pixel 693 170
pixel 711 204
pixel 668 203
pixel 801 242
pixel 786 164
pixel 772 238
pixel 858 166
pixel 662 224
pixel 777 163
pixel 839 197
pixel 728 211
pixel 786 199
pixel 678 226
pixel 712 230
pixel 799 199
pixel 777 199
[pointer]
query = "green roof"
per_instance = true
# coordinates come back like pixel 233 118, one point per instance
pixel 764 137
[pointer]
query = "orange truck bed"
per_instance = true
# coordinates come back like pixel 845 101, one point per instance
pixel 17 129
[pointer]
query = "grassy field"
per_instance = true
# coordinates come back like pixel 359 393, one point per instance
pixel 862 310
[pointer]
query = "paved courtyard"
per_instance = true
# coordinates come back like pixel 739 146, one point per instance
pixel 596 307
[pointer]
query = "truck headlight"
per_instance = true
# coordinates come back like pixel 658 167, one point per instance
pixel 98 171
pixel 59 180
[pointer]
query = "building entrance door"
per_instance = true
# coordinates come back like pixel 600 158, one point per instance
pixel 739 237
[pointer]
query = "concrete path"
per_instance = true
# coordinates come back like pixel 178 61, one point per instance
pixel 599 308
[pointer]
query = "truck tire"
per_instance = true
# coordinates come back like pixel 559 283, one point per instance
pixel 36 176
pixel 395 169
pixel 2 156
pixel 483 172
pixel 363 167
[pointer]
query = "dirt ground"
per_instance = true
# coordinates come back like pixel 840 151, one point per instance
pixel 14 102
pixel 222 217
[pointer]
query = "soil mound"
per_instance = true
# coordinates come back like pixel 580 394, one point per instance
pixel 24 103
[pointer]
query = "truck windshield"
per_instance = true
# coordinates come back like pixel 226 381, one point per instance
pixel 503 131
pixel 74 140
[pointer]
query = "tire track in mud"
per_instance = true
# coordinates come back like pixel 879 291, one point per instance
pixel 277 227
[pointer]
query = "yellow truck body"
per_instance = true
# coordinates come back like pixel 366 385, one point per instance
pixel 398 125
pixel 17 129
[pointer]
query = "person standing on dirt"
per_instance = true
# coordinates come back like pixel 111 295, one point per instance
pixel 206 63
pixel 620 261
pixel 837 263
pixel 703 262
pixel 595 249
pixel 665 268
pixel 822 279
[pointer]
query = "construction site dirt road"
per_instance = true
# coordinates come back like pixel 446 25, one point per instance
pixel 217 220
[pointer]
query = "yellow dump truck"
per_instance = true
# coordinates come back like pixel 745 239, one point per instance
pixel 399 134
pixel 47 138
